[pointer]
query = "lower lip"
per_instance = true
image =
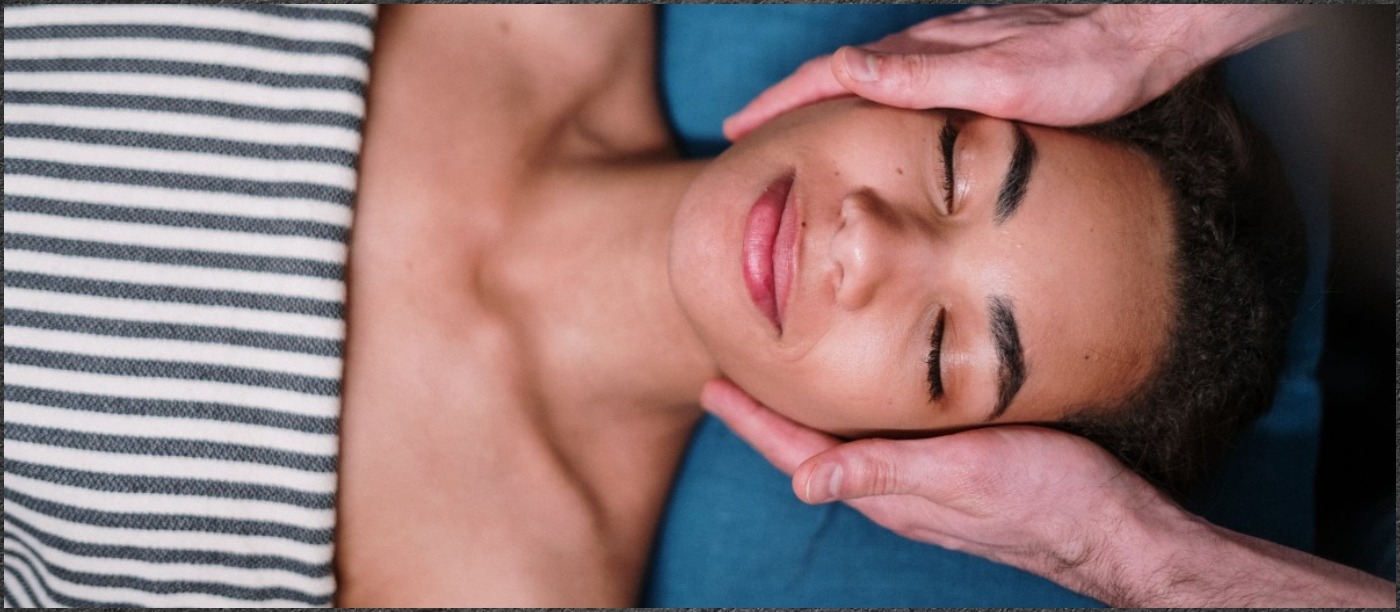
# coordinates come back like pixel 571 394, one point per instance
pixel 762 262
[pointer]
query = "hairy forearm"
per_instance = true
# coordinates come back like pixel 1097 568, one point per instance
pixel 1168 558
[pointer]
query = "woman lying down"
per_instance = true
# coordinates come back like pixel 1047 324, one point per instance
pixel 539 287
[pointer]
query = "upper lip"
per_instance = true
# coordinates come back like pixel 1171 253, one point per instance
pixel 786 252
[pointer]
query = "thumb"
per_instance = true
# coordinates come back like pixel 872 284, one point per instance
pixel 908 80
pixel 858 469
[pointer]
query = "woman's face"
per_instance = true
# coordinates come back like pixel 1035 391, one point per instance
pixel 1041 287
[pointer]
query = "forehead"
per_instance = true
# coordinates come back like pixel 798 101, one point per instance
pixel 1092 248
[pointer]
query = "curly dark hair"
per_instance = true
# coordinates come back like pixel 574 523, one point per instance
pixel 1239 264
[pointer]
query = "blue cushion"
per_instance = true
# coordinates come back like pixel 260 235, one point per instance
pixel 733 533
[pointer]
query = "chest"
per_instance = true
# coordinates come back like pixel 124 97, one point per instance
pixel 451 461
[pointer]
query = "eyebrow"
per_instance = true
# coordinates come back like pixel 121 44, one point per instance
pixel 1013 188
pixel 1011 371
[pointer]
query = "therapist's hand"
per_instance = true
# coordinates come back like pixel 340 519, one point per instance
pixel 1030 497
pixel 1060 65
pixel 1047 502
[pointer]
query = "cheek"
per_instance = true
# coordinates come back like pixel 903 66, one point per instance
pixel 846 382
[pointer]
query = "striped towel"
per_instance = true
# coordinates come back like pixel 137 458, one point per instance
pixel 177 197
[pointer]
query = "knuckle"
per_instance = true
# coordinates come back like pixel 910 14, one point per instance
pixel 903 77
pixel 918 69
pixel 876 472
pixel 884 477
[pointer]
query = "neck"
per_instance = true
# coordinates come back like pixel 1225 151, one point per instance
pixel 602 323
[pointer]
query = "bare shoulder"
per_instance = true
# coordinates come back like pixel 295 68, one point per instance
pixel 574 43
pixel 523 77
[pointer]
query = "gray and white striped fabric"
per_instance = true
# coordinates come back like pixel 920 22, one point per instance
pixel 177 198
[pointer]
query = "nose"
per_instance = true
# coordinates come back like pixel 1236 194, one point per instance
pixel 866 249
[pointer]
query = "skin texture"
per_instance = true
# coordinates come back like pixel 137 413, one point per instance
pixel 1083 262
pixel 526 345
pixel 1063 65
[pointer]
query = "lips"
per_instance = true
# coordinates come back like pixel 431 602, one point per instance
pixel 769 249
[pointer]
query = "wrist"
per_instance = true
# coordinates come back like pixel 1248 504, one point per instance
pixel 1163 552
pixel 1162 556
pixel 1174 40
pixel 1223 30
pixel 1160 38
pixel 1208 32
pixel 1134 558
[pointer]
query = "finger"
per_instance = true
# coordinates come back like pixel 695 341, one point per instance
pixel 931 468
pixel 783 442
pixel 856 469
pixel 811 82
pixel 923 80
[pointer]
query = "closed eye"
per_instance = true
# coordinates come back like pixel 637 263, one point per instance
pixel 947 139
pixel 935 358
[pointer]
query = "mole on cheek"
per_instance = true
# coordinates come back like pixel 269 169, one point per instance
pixel 900 171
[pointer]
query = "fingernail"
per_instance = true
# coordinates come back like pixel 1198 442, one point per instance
pixel 862 66
pixel 824 484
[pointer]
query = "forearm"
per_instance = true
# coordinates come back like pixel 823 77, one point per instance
pixel 1168 558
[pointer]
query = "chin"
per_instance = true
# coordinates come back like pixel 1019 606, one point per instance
pixel 703 273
